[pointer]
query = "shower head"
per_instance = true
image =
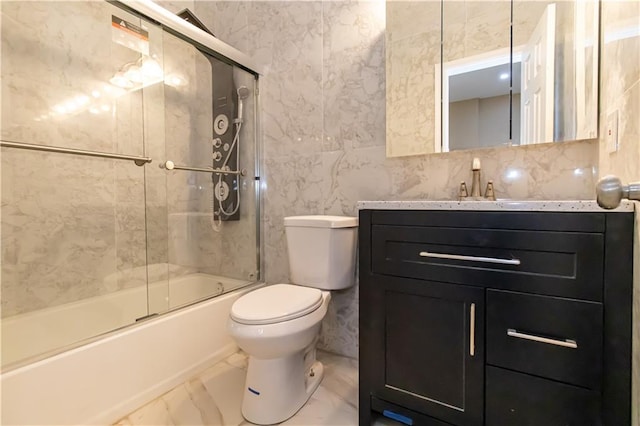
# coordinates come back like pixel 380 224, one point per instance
pixel 243 92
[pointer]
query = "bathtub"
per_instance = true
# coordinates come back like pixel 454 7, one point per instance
pixel 101 381
pixel 33 333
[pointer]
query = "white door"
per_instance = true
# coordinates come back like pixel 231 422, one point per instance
pixel 537 81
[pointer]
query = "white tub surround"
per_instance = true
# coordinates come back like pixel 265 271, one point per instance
pixel 500 205
pixel 103 381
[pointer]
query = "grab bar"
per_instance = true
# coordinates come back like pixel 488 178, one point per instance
pixel 140 161
pixel 170 165
pixel 470 258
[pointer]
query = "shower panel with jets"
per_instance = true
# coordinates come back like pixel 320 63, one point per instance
pixel 130 178
pixel 228 105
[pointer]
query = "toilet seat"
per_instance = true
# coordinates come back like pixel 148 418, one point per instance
pixel 276 303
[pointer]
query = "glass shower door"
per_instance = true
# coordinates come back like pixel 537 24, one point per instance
pixel 92 240
pixel 75 76
pixel 211 250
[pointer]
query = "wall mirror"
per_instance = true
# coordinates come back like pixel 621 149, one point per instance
pixel 474 74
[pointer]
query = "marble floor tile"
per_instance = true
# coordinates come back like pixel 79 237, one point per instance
pixel 154 413
pixel 214 397
pixel 384 421
pixel 341 377
pixel 324 408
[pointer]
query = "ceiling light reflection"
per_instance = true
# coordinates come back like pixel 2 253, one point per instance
pixel 512 174
pixel 130 77
pixel 175 81
pixel 132 73
pixel 121 80
pixel 150 68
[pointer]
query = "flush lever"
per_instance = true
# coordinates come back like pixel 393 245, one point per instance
pixel 611 191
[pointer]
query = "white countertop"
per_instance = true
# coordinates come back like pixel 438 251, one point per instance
pixel 500 205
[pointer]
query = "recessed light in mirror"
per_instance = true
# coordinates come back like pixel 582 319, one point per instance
pixel 504 76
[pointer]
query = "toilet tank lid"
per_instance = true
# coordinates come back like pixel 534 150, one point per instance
pixel 321 221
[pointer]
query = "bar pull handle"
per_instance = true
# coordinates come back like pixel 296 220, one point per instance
pixel 470 258
pixel 472 330
pixel 567 343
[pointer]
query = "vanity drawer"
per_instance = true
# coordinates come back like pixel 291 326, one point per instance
pixel 523 400
pixel 550 337
pixel 565 264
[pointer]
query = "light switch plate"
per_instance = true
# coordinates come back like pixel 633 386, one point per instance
pixel 612 132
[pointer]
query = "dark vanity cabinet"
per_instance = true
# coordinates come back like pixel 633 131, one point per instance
pixel 496 318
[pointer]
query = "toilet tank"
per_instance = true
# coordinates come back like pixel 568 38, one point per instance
pixel 322 250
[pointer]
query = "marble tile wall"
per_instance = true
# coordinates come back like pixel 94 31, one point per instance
pixel 620 92
pixel 323 112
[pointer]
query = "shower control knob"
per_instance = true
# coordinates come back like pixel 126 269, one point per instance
pixel 221 191
pixel 220 124
pixel 217 156
pixel 226 147
pixel 217 143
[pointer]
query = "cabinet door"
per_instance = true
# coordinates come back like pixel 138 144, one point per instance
pixel 430 352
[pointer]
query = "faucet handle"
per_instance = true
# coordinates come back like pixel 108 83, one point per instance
pixel 463 193
pixel 489 192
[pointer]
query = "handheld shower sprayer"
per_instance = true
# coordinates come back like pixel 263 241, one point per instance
pixel 243 93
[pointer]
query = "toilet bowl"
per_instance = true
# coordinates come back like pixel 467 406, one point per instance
pixel 278 325
pixel 280 352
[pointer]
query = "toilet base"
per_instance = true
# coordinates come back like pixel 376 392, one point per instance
pixel 276 389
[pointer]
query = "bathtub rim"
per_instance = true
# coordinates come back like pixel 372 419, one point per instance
pixel 34 360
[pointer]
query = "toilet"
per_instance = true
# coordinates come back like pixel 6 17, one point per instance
pixel 278 325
